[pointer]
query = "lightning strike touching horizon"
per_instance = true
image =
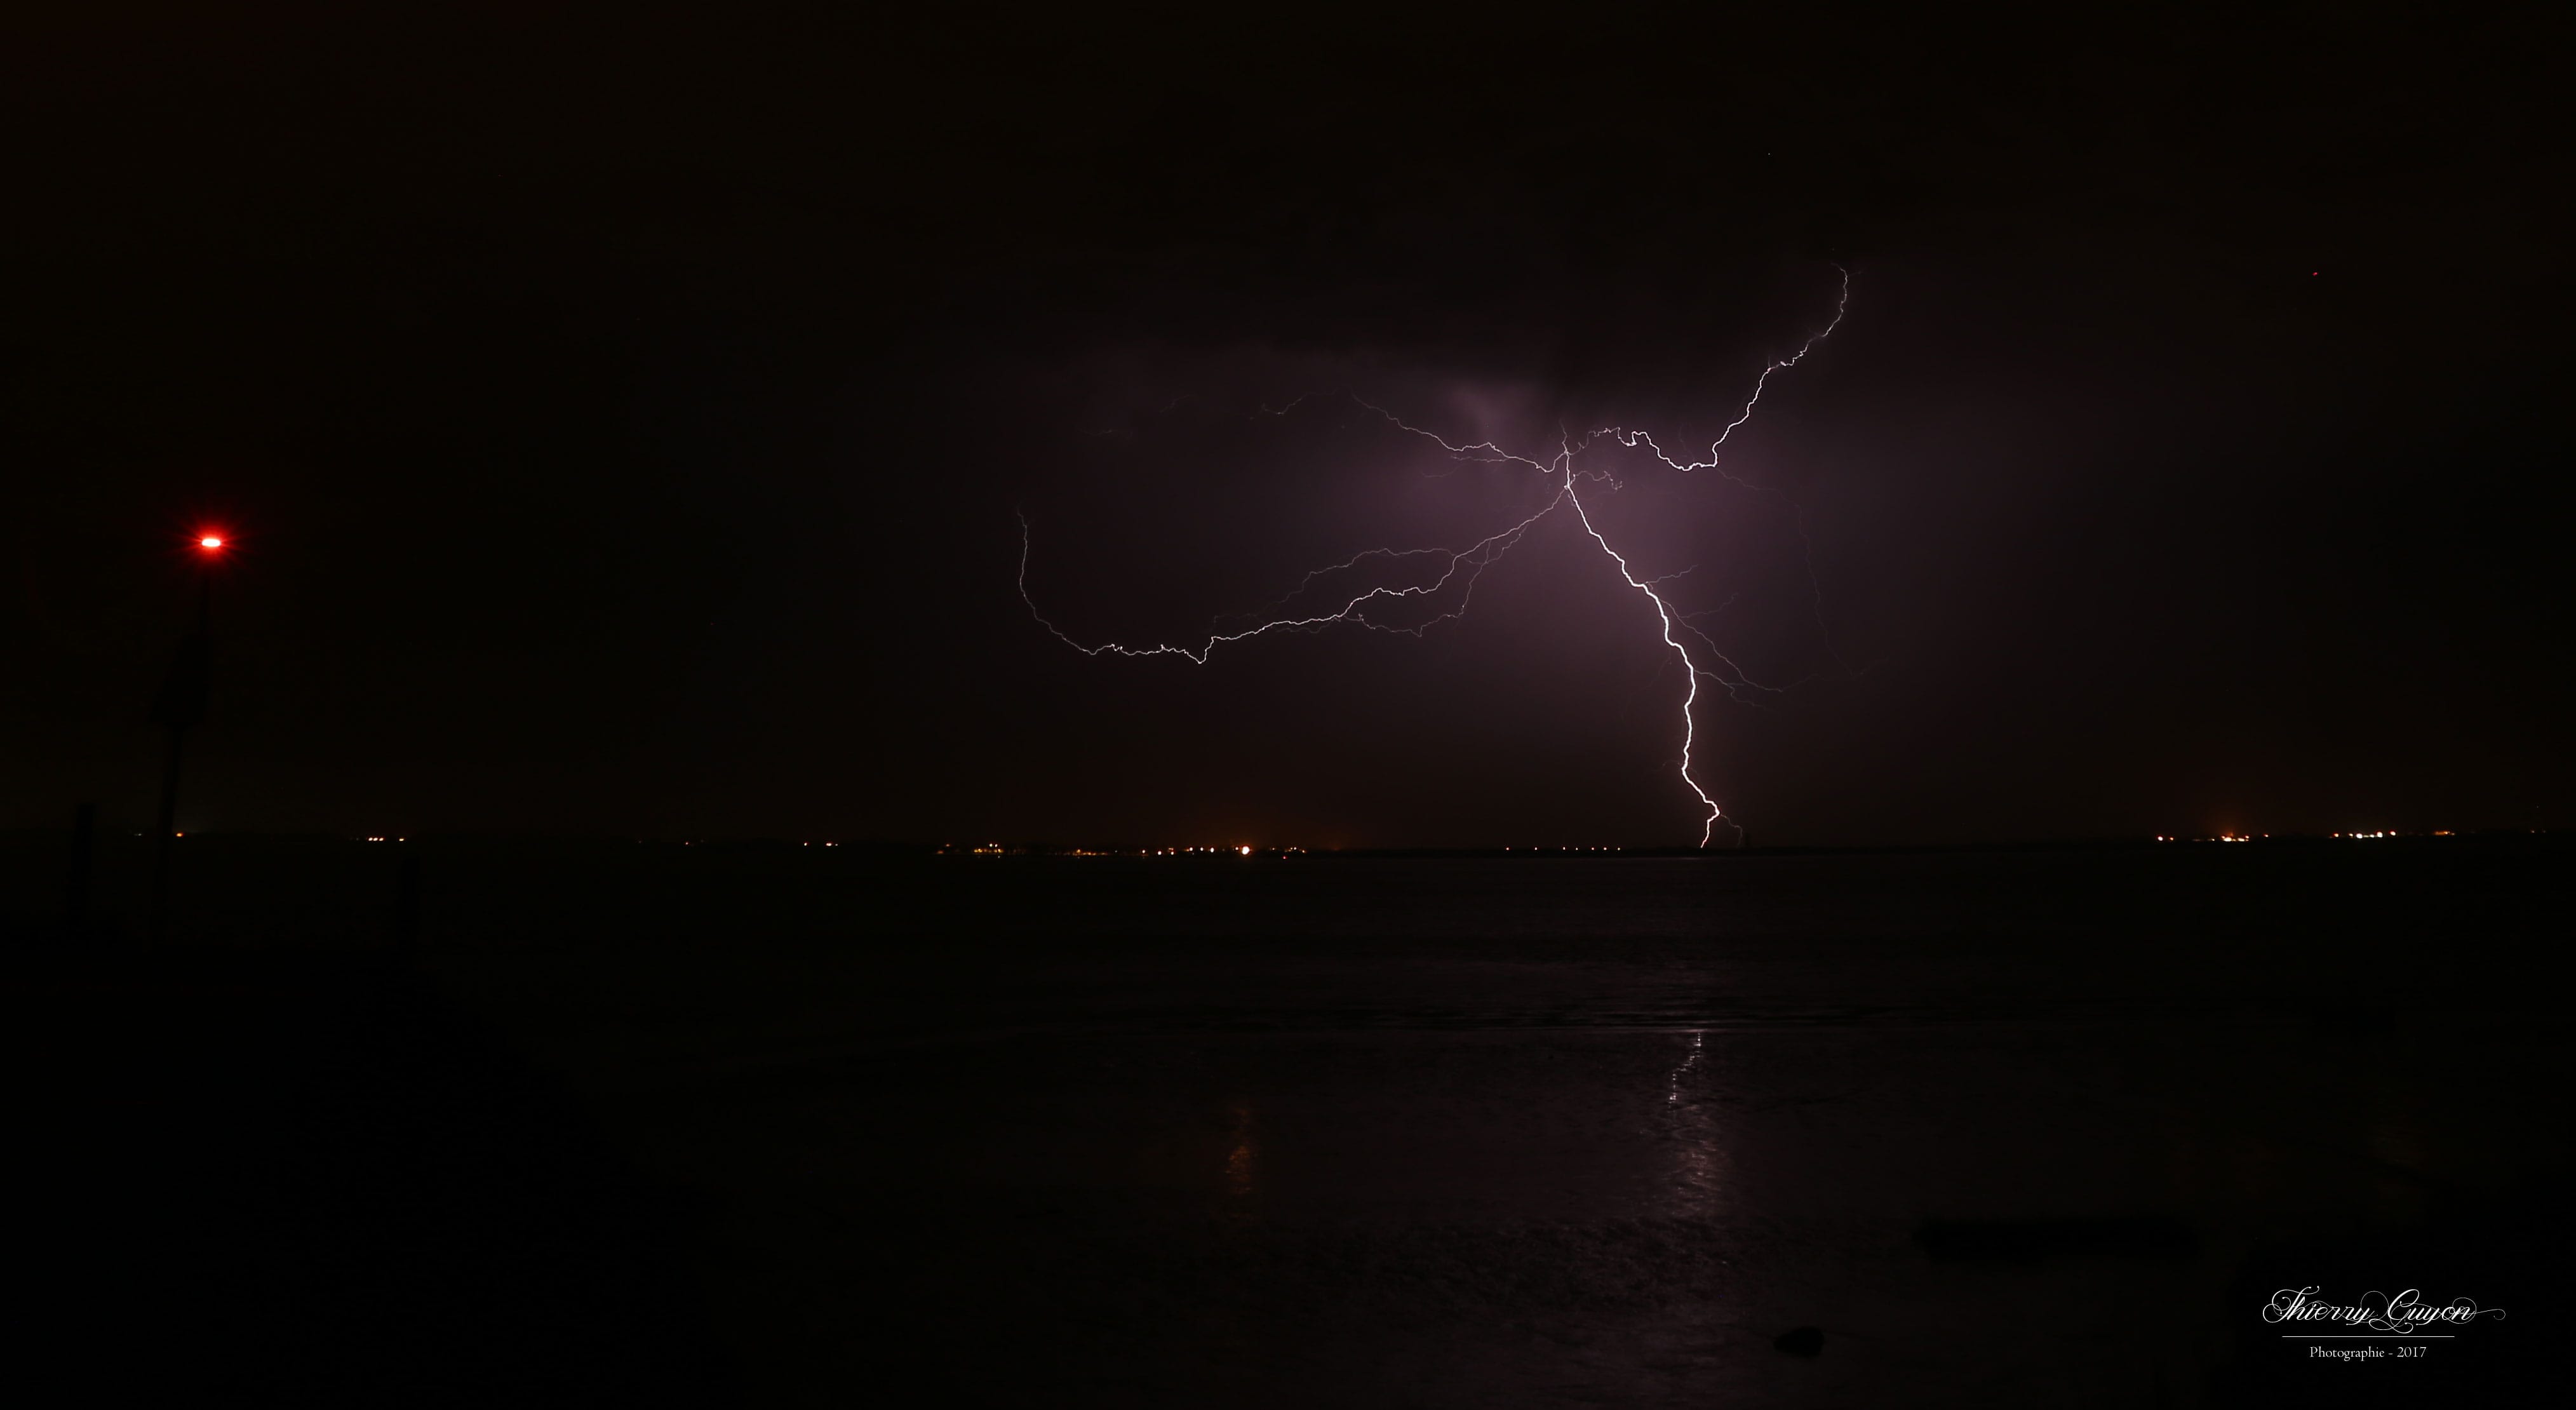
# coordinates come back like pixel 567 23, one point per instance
pixel 1462 567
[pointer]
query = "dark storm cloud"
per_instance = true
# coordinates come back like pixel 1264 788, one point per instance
pixel 625 416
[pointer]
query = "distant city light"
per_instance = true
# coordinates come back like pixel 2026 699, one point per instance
pixel 2232 836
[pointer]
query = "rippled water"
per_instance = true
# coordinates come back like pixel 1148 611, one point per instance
pixel 1488 1132
pixel 1999 1128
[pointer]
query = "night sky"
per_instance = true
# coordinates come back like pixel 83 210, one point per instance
pixel 624 420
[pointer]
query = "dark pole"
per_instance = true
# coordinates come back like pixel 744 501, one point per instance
pixel 162 840
pixel 182 703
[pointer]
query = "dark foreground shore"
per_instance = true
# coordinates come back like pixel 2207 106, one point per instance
pixel 636 1125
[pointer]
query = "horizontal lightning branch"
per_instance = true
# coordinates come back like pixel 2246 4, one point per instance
pixel 1376 608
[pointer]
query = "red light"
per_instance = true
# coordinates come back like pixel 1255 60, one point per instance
pixel 211 542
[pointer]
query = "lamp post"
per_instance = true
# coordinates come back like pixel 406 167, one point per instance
pixel 181 703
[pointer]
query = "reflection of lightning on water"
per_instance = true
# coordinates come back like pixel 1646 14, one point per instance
pixel 1693 1125
pixel 1673 1087
pixel 1378 608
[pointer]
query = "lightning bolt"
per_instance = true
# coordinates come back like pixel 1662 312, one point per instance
pixel 1375 607
pixel 1633 439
